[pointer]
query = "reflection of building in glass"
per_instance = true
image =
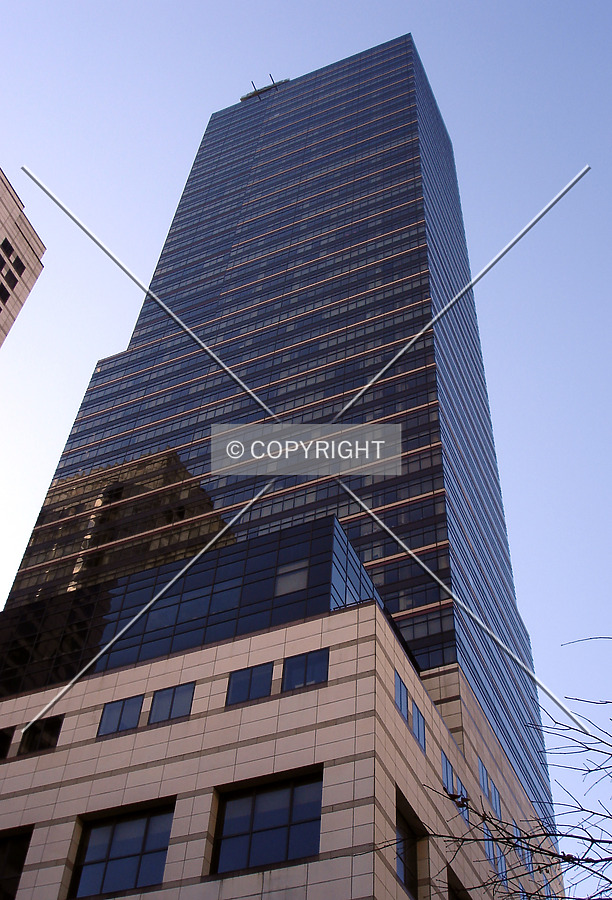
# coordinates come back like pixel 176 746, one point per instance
pixel 93 532
pixel 21 252
pixel 323 715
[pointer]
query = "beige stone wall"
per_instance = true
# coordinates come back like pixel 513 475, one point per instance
pixel 349 726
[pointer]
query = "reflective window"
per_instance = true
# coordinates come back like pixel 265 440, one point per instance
pixel 267 825
pixel 462 802
pixel 494 798
pixel 418 725
pixel 448 776
pixel 291 577
pixel 171 703
pixel 401 696
pixel 122 854
pixel 120 715
pixel 306 669
pixel 502 869
pixel 489 844
pixel 249 684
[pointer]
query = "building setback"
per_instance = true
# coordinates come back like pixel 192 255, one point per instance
pixel 21 253
pixel 305 713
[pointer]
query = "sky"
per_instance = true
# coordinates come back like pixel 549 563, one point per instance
pixel 107 103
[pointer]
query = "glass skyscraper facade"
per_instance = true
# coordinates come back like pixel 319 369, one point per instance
pixel 319 229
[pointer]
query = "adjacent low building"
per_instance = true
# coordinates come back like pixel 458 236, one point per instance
pixel 21 253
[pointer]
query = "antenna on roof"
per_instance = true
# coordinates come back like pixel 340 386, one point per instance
pixel 255 90
pixel 274 83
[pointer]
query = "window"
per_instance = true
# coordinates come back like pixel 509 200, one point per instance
pixel 406 857
pixel 267 825
pixel 495 798
pixel 462 802
pixel 171 703
pixel 448 776
pixel 291 577
pixel 489 789
pixel 4 294
pixel 489 844
pixel 418 725
pixel 306 669
pixel 401 696
pixel 41 735
pixel 547 891
pixel 122 853
pixel 18 266
pixel 483 776
pixel 6 737
pixel 10 279
pixel 249 684
pixel 528 857
pixel 120 715
pixel 13 851
pixel 522 892
pixel 7 247
pixel 502 870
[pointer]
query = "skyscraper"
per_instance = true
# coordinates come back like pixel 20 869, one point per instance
pixel 319 229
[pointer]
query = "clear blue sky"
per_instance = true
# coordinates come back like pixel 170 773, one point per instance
pixel 107 103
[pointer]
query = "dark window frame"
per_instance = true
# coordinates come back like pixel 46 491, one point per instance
pixel 250 679
pixel 152 845
pixel 41 736
pixel 177 694
pixel 115 707
pixel 290 826
pixel 304 666
pixel 418 726
pixel 406 858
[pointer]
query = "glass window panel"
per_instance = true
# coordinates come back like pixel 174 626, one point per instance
pixel 233 854
pixel 130 713
pixel 291 577
pixel 237 815
pixel 152 868
pixel 261 681
pixel 316 666
pixel 183 698
pixel 161 706
pixel 158 833
pixel 128 837
pixel 111 715
pixel 304 839
pixel 90 881
pixel 238 687
pixel 294 672
pixel 97 845
pixel 268 847
pixel 307 801
pixel 121 874
pixel 272 808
